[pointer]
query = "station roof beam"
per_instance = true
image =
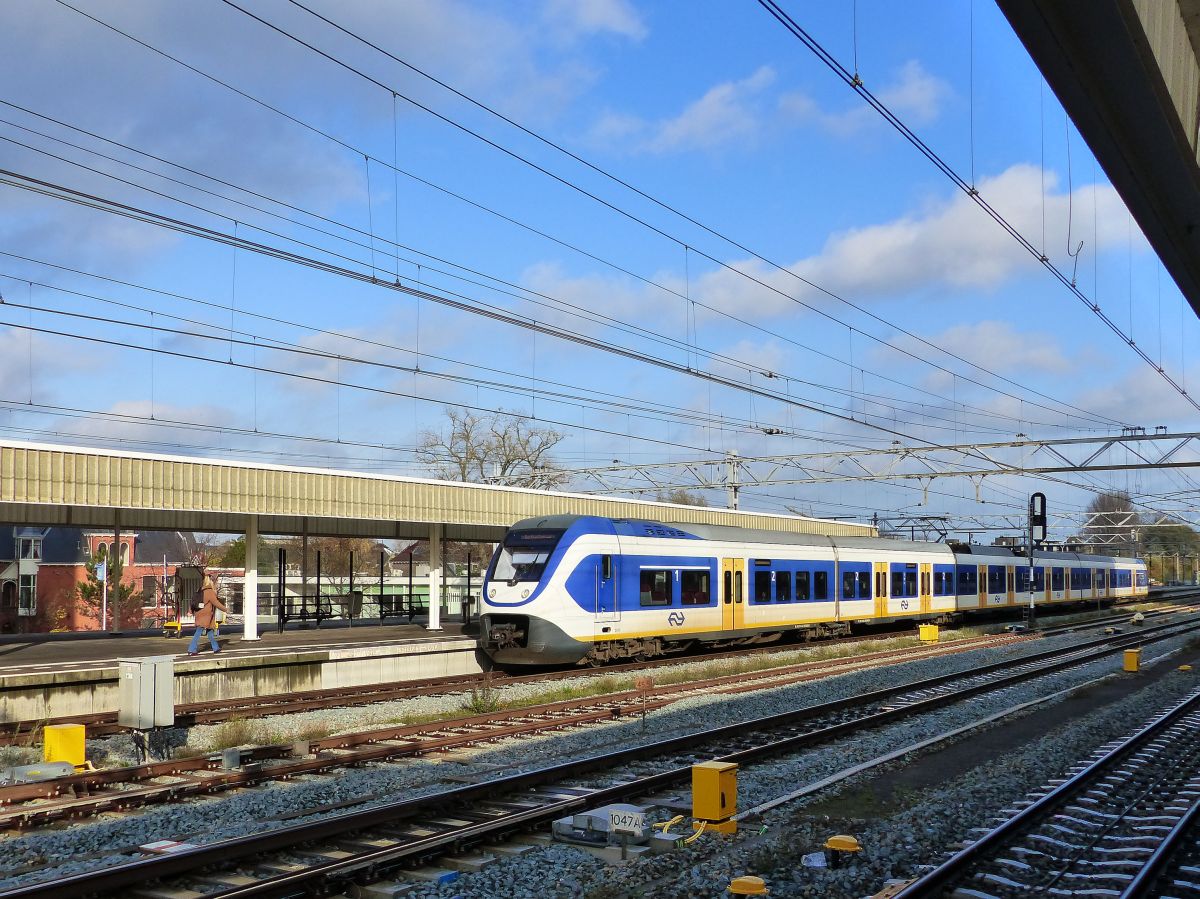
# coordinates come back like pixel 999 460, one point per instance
pixel 1128 74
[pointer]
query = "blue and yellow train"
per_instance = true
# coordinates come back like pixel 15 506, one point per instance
pixel 584 589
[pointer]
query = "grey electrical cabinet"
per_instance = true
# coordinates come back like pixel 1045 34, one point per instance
pixel 147 692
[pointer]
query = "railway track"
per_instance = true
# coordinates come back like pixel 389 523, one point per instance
pixel 27 732
pixel 81 795
pixel 364 844
pixel 1123 825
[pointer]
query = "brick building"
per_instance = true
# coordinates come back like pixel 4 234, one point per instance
pixel 41 570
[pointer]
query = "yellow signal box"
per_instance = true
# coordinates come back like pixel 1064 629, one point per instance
pixel 714 795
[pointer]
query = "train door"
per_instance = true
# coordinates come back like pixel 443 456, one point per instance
pixel 1012 585
pixel 733 577
pixel 982 585
pixel 881 589
pixel 926 586
pixel 607 607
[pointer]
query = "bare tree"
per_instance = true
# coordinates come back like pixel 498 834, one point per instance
pixel 498 449
pixel 336 554
pixel 681 496
pixel 1114 523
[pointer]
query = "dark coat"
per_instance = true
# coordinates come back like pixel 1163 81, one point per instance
pixel 212 602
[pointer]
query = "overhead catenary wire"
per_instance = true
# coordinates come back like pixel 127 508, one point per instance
pixel 567 183
pixel 611 177
pixel 291 373
pixel 198 231
pixel 825 436
pixel 925 150
pixel 522 291
pixel 446 298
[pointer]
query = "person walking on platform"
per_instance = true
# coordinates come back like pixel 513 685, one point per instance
pixel 206 605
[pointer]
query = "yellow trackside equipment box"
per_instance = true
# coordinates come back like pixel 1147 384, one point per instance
pixel 929 633
pixel 714 795
pixel 64 743
pixel 1133 659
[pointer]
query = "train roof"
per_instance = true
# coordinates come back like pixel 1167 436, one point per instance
pixel 1010 552
pixel 729 533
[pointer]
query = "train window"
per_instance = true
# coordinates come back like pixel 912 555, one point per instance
pixel 864 585
pixel 848 582
pixel 656 587
pixel 693 588
pixel 995 579
pixel 910 583
pixel 1056 578
pixel 1099 578
pixel 880 584
pixel 762 563
pixel 728 587
pixel 737 586
pixel 897 583
pixel 820 585
pixel 966 580
pixel 762 586
pixel 1039 578
pixel 802 593
pixel 606 567
pixel 523 555
pixel 783 586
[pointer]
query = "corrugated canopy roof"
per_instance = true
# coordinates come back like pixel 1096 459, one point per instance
pixel 64 485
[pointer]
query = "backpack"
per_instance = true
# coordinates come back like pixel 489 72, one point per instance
pixel 197 605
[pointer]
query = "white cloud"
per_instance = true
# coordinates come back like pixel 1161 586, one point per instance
pixel 1141 397
pixel 746 110
pixel 612 297
pixel 729 112
pixel 950 244
pixel 914 95
pixel 1001 347
pixel 575 18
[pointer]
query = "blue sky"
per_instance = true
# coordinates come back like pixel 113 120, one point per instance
pixel 711 108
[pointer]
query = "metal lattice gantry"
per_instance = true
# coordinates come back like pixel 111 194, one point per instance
pixel 1097 529
pixel 1133 450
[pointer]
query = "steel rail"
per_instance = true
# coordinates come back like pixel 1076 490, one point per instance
pixel 202 775
pixel 954 868
pixel 1160 859
pixel 189 861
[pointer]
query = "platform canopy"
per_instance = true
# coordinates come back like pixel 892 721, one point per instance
pixel 1128 74
pixel 68 486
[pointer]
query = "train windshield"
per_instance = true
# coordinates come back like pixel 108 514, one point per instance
pixel 524 555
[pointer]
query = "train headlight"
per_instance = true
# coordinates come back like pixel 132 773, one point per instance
pixel 492 593
pixel 525 593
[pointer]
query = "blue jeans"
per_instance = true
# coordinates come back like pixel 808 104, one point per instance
pixel 212 637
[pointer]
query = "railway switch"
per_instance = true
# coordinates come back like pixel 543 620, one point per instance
pixel 64 743
pixel 714 795
pixel 1133 660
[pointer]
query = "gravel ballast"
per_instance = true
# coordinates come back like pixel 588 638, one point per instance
pixel 703 868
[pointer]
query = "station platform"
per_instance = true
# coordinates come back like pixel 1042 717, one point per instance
pixel 52 678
